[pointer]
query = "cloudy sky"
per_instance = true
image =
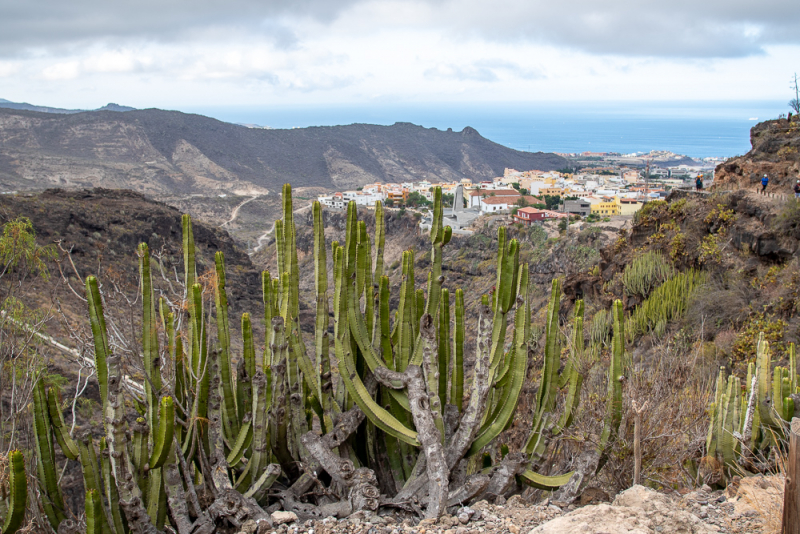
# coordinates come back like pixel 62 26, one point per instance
pixel 188 53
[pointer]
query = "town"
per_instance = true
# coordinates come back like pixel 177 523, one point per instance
pixel 601 186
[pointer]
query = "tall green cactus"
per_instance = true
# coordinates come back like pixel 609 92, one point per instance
pixel 17 493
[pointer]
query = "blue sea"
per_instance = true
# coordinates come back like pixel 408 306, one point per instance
pixel 695 129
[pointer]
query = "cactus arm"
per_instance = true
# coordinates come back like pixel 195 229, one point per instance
pixel 264 482
pixel 472 414
pixel 120 525
pixel 150 350
pixel 200 364
pixel 279 435
pixel 518 368
pixel 359 331
pixel 189 265
pixel 457 380
pixel 97 322
pixel 321 323
pixel 280 248
pixel 309 371
pixel 380 239
pixel 615 374
pixel 290 242
pixel 52 500
pixel 17 493
pixel 92 481
pixel 726 437
pixel 247 367
pixel 243 441
pixel 94 513
pixel 230 418
pixel 68 446
pixel 444 345
pixel 369 287
pixel 571 374
pixel 507 404
pixel 162 439
pixel 156 502
pixel 121 466
pixel 419 306
pixel 545 482
pixel 571 402
pixel 374 412
pixel 385 332
pixel 552 352
pixel 268 298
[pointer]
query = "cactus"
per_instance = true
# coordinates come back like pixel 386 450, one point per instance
pixel 745 424
pixel 204 422
pixel 17 493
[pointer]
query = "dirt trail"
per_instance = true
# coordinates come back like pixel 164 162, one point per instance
pixel 235 212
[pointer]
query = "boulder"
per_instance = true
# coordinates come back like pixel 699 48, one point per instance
pixel 281 517
pixel 638 510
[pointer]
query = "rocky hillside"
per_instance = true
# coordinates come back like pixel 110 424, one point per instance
pixel 163 153
pixel 776 152
pixel 101 230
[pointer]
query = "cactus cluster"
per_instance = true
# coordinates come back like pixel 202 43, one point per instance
pixel 668 301
pixel 748 420
pixel 237 433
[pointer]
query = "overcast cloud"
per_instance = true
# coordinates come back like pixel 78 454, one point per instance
pixel 349 50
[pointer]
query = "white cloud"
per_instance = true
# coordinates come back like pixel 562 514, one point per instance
pixel 399 51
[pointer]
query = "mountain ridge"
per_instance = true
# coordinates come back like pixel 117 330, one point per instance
pixel 8 104
pixel 162 153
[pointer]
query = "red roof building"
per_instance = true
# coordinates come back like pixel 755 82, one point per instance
pixel 528 216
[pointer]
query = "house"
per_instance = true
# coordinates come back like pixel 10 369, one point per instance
pixel 629 206
pixel 528 216
pixel 335 201
pixel 397 195
pixel 496 204
pixel 607 208
pixel 362 198
pixel 577 207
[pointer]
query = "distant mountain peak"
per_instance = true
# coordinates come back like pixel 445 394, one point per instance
pixel 45 109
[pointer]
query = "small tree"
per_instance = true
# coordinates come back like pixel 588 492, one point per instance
pixel 795 102
pixel 20 361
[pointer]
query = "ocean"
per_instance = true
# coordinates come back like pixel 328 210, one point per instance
pixel 695 129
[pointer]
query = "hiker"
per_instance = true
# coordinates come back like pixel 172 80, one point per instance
pixel 797 189
pixel 764 183
pixel 699 182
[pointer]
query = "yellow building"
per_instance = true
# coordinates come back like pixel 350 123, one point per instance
pixel 605 209
pixel 628 206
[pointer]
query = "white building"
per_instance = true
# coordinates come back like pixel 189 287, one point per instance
pixel 362 198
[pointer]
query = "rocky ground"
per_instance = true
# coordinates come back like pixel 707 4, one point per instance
pixel 749 506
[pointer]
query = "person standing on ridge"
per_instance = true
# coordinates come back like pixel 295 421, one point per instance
pixel 699 182
pixel 764 183
pixel 797 189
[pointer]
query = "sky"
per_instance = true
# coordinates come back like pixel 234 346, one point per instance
pixel 181 54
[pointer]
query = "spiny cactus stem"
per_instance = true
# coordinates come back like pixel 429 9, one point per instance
pixel 473 413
